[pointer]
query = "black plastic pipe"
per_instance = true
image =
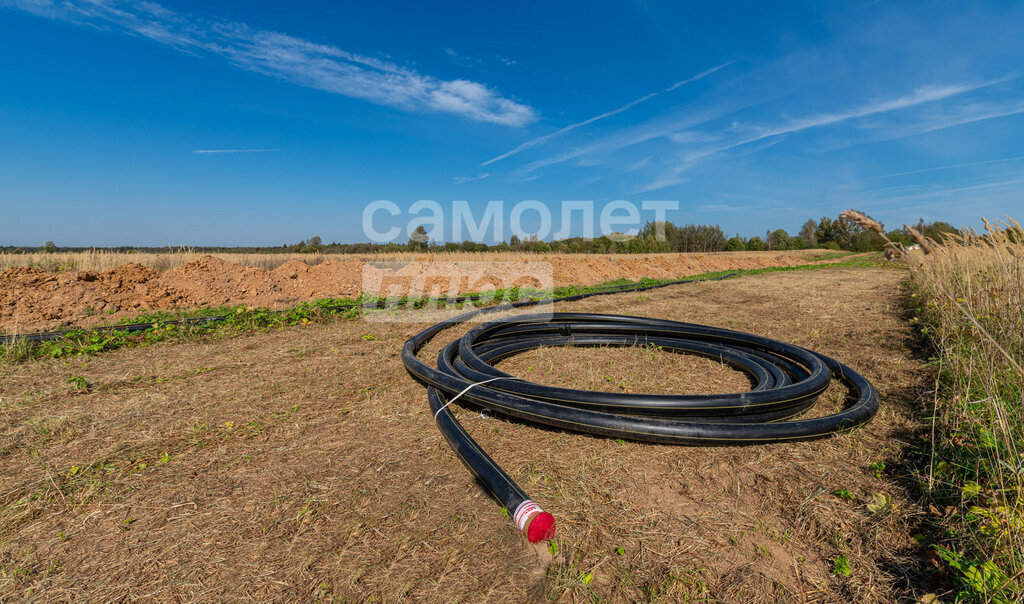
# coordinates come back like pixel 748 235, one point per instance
pixel 786 381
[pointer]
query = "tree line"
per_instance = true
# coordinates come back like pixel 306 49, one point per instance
pixel 654 237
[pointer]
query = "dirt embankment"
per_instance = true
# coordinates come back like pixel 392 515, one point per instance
pixel 32 299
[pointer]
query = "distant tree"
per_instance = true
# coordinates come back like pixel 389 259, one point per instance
pixel 808 232
pixel 936 230
pixel 315 241
pixel 735 244
pixel 418 239
pixel 901 237
pixel 840 231
pixel 49 247
pixel 755 244
pixel 778 240
pixel 513 241
pixel 657 230
pixel 867 241
pixel 700 238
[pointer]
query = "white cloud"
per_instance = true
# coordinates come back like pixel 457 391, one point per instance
pixel 216 151
pixel 924 94
pixel 299 61
pixel 968 113
pixel 954 166
pixel 770 135
pixel 543 139
pixel 461 179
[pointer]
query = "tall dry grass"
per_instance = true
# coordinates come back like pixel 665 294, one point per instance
pixel 970 294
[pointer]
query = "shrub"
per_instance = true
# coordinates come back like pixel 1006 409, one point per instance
pixel 735 245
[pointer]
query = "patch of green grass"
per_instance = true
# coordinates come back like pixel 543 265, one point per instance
pixel 79 382
pixel 841 566
pixel 844 494
pixel 236 320
pixel 829 256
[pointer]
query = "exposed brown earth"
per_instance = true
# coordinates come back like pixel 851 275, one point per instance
pixel 303 465
pixel 32 299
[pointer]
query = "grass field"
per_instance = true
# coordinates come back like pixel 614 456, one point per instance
pixel 302 464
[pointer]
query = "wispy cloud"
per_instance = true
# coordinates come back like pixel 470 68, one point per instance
pixel 932 194
pixel 216 151
pixel 968 113
pixel 461 179
pixel 723 207
pixel 924 94
pixel 954 166
pixel 662 127
pixel 543 139
pixel 460 59
pixel 770 135
pixel 292 59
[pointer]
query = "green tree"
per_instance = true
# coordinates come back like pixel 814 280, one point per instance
pixel 755 244
pixel 49 247
pixel 936 230
pixel 418 239
pixel 809 232
pixel 779 239
pixel 839 231
pixel 901 237
pixel 735 244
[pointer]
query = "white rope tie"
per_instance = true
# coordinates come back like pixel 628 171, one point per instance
pixel 466 389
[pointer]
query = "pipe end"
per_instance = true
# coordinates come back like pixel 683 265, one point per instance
pixel 542 528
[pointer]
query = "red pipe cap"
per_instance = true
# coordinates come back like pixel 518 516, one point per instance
pixel 542 528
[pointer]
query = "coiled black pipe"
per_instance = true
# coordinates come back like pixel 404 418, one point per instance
pixel 786 381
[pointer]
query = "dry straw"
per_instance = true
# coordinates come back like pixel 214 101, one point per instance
pixel 973 289
pixel 926 245
pixel 892 250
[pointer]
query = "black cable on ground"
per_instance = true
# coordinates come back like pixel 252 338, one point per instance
pixel 786 381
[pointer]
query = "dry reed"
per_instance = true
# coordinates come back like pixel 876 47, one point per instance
pixel 892 250
pixel 972 287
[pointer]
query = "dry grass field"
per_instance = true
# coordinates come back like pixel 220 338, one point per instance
pixel 302 464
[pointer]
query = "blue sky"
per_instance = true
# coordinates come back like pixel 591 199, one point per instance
pixel 751 115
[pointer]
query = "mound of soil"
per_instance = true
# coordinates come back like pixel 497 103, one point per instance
pixel 33 299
